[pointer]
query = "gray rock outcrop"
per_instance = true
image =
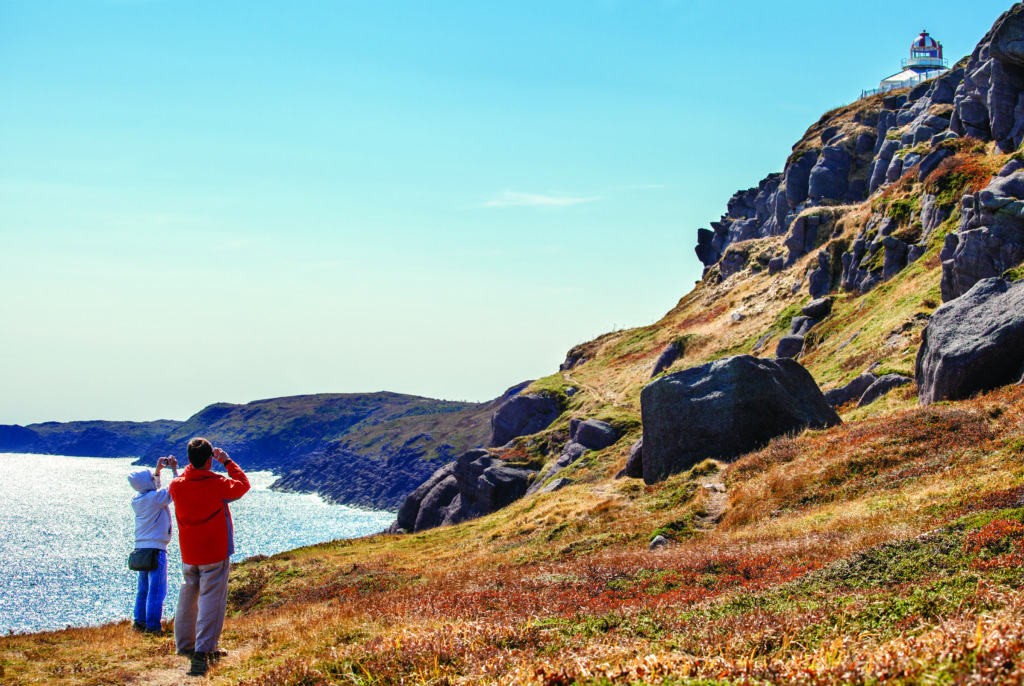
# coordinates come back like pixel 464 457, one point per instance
pixel 592 433
pixel 987 102
pixel 589 434
pixel 819 281
pixel 658 541
pixel 475 484
pixel 789 347
pixel 881 386
pixel 571 452
pixel 801 325
pixel 990 238
pixel 724 409
pixel 829 179
pixel 666 359
pixel 972 344
pixel 635 463
pixel 818 309
pixel 522 415
pixel 851 391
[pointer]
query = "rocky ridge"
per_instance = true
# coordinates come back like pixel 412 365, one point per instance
pixel 928 178
pixel 925 134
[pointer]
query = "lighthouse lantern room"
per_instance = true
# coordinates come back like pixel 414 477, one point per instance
pixel 925 62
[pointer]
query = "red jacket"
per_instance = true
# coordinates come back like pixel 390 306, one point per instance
pixel 201 502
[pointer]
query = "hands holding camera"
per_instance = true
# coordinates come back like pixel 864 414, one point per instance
pixel 169 461
pixel 220 456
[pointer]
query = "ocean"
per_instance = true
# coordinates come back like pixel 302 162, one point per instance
pixel 66 528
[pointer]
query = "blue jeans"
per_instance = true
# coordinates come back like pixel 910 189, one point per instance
pixel 149 603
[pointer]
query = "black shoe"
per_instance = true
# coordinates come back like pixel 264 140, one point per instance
pixel 138 626
pixel 200 664
pixel 187 653
pixel 154 632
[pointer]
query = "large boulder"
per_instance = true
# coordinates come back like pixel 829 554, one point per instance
pixel 972 344
pixel 592 433
pixel 789 346
pixel 409 511
pixel 475 484
pixel 666 359
pixel 635 464
pixel 724 409
pixel 818 309
pixel 522 415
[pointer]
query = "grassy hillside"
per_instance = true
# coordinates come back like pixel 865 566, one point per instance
pixel 887 549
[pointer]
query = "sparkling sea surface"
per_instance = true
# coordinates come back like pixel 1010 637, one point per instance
pixel 66 528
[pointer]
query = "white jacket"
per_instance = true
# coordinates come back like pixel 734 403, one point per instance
pixel 152 514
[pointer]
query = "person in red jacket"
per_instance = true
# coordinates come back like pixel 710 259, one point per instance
pixel 206 538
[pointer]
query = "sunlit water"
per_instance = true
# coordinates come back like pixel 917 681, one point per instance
pixel 66 528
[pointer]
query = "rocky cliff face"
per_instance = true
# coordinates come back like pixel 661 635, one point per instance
pixel 876 148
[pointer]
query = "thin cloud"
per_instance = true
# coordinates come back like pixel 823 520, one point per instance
pixel 512 199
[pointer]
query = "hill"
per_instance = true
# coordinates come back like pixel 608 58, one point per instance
pixel 84 439
pixel 368 450
pixel 886 549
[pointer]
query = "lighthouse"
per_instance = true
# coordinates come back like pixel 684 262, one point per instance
pixel 925 62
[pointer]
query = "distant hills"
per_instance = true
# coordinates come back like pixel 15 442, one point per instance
pixel 368 450
pixel 85 439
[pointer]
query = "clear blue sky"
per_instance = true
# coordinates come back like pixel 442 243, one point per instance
pixel 225 201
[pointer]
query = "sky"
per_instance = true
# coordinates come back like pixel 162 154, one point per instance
pixel 223 201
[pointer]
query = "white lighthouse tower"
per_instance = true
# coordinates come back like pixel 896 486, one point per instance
pixel 925 62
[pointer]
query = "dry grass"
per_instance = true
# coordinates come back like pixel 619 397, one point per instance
pixel 560 588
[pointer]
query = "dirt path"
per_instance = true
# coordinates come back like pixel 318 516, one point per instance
pixel 168 677
pixel 172 671
pixel 716 502
pixel 593 390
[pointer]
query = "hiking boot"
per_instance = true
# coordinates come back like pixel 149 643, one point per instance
pixel 138 626
pixel 155 632
pixel 200 664
pixel 187 653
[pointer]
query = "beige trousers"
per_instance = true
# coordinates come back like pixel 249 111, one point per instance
pixel 201 606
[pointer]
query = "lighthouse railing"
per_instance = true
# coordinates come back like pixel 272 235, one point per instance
pixel 936 62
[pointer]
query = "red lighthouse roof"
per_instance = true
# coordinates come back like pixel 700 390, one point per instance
pixel 926 42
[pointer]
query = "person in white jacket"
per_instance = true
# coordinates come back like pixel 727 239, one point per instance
pixel 152 530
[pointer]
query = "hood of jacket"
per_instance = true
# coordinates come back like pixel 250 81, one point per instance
pixel 142 480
